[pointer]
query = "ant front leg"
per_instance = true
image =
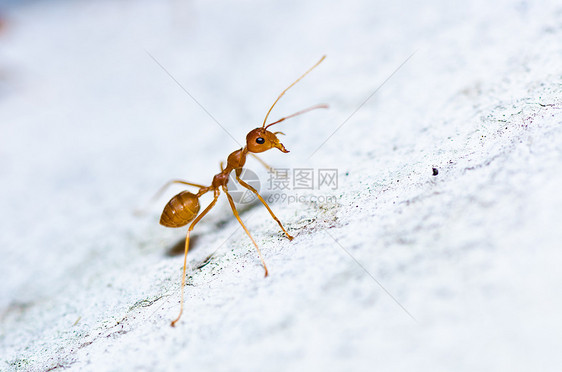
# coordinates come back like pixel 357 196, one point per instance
pixel 267 166
pixel 249 187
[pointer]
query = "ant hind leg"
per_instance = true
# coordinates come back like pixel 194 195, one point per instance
pixel 142 211
pixel 209 207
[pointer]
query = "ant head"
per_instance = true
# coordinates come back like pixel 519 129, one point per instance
pixel 260 140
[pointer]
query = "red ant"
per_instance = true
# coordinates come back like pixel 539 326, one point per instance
pixel 184 207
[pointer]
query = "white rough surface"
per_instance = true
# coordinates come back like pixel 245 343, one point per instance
pixel 91 126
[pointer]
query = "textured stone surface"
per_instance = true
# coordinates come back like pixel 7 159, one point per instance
pixel 405 271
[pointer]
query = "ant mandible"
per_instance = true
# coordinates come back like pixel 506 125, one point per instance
pixel 184 207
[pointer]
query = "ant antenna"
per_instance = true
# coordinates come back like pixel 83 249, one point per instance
pixel 290 86
pixel 297 113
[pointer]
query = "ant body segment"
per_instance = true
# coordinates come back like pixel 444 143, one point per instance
pixel 184 207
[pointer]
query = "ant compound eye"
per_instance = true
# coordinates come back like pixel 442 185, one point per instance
pixel 260 140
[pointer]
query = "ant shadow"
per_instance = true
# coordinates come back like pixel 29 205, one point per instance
pixel 178 248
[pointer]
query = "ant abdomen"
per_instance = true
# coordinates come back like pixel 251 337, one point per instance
pixel 180 210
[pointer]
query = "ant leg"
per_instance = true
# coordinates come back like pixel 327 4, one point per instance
pixel 244 227
pixel 249 187
pixel 161 190
pixel 209 207
pixel 267 166
pixel 171 182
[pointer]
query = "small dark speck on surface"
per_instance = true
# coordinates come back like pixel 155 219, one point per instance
pixel 435 171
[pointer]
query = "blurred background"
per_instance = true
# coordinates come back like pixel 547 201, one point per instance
pixel 95 117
